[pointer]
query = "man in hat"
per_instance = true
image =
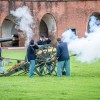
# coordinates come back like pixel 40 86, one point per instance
pixel 62 55
pixel 43 40
pixel 31 55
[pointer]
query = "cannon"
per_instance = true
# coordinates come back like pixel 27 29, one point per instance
pixel 12 38
pixel 6 39
pixel 44 61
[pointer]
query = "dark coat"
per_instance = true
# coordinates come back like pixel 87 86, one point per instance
pixel 31 51
pixel 0 52
pixel 1 58
pixel 62 52
pixel 39 42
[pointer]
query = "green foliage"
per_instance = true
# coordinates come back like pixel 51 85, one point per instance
pixel 84 83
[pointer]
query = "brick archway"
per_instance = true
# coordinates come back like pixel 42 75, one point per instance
pixel 48 26
pixel 97 16
pixel 8 29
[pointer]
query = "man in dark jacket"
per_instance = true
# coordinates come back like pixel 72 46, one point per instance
pixel 31 55
pixel 43 40
pixel 62 56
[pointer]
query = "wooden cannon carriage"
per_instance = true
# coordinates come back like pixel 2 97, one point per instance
pixel 44 62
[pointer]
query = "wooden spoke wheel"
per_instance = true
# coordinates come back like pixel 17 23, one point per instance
pixel 44 63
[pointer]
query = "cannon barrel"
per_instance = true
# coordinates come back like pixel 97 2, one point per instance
pixel 6 39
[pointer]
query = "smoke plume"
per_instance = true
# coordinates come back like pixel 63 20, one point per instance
pixel 87 48
pixel 24 21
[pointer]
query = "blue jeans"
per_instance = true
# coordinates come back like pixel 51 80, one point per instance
pixel 32 67
pixel 1 67
pixel 63 64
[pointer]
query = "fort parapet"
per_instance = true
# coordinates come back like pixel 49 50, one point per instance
pixel 51 16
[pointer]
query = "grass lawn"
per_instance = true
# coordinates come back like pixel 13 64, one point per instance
pixel 84 83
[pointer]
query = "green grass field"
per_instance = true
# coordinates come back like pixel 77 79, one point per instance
pixel 84 83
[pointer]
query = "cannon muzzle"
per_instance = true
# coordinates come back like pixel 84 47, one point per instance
pixel 6 39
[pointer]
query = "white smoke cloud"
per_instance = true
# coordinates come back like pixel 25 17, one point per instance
pixel 25 21
pixel 68 36
pixel 94 24
pixel 87 49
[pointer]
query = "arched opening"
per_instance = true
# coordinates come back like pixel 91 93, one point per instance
pixel 95 21
pixel 48 26
pixel 8 29
pixel 43 28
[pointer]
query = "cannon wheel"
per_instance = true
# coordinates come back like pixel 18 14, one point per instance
pixel 44 63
